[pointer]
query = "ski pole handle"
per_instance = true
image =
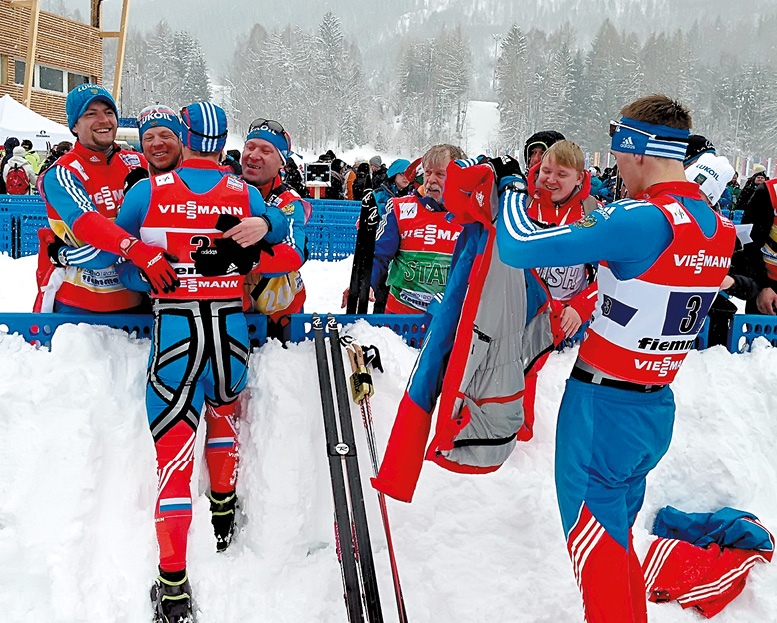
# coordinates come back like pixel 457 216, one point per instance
pixel 361 379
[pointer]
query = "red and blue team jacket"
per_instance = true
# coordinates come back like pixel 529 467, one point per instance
pixel 702 560
pixel 80 182
pixel 485 333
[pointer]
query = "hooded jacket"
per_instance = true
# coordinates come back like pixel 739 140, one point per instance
pixel 486 332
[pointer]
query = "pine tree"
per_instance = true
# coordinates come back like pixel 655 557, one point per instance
pixel 513 80
pixel 194 85
pixel 603 70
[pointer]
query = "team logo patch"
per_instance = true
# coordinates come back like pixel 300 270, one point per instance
pixel 164 179
pixel 700 179
pixel 131 160
pixel 627 143
pixel 408 210
pixel 679 215
pixel 288 209
pixel 78 167
pixel 588 221
pixel 94 159
pixel 234 184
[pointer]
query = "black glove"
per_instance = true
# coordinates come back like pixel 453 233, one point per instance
pixel 505 166
pixel 56 255
pixel 226 222
pixel 223 257
pixel 227 256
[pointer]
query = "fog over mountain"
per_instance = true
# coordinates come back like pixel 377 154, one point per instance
pixel 379 27
pixel 400 74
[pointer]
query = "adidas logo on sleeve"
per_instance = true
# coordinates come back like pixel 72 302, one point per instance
pixel 627 143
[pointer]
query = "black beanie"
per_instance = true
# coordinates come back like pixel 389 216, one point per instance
pixel 698 145
pixel 544 139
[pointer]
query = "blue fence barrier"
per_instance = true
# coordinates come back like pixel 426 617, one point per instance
pixel 331 230
pixel 38 328
pixel 747 327
pixel 735 216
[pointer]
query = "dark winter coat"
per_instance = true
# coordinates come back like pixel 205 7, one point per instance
pixel 293 178
pixel 363 181
pixel 380 177
pixel 758 210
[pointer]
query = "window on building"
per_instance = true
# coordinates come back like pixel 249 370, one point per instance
pixel 74 80
pixel 51 79
pixel 19 68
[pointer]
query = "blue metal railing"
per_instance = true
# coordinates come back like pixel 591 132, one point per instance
pixel 39 328
pixel 331 230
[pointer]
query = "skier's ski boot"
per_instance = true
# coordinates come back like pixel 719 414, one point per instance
pixel 171 598
pixel 222 508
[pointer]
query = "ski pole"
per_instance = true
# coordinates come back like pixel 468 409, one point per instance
pixel 361 389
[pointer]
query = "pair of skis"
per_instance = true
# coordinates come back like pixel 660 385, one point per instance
pixel 361 270
pixel 354 550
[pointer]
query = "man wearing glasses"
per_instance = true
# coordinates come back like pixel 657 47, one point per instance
pixel 200 343
pixel 277 289
pixel 662 255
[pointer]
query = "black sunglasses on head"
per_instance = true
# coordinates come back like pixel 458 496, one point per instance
pixel 271 125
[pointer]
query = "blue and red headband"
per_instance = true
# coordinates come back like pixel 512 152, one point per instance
pixel 158 115
pixel 638 137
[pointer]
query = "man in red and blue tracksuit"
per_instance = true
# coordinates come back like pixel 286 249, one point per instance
pixel 83 192
pixel 662 257
pixel 200 342
pixel 278 290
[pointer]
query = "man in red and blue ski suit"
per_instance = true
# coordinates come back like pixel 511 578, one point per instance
pixel 278 290
pixel 83 192
pixel 662 257
pixel 200 345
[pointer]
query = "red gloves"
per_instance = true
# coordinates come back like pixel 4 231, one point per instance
pixel 153 262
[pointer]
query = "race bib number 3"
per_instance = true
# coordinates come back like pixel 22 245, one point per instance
pixel 686 311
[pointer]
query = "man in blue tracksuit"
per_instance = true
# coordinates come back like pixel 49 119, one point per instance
pixel 663 255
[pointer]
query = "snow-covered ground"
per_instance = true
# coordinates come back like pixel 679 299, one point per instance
pixel 78 485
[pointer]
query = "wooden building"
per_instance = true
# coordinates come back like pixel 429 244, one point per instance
pixel 67 53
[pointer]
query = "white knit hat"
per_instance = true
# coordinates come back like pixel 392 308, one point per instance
pixel 711 173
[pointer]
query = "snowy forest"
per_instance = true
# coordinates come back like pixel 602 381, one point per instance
pixel 431 63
